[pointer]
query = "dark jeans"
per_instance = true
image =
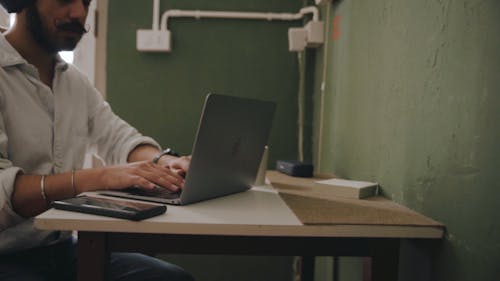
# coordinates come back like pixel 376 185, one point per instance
pixel 58 262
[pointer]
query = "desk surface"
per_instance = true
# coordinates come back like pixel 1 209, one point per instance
pixel 257 212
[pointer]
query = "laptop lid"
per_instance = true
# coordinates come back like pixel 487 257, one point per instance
pixel 228 147
pixel 231 137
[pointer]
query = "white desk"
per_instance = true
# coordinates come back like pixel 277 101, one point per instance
pixel 254 222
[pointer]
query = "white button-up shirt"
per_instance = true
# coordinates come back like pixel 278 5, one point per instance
pixel 47 131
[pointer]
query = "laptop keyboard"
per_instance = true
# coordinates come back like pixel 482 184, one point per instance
pixel 159 192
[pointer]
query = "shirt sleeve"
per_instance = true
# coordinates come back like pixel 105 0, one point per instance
pixel 114 137
pixel 8 175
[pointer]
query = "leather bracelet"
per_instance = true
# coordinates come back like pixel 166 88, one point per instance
pixel 167 151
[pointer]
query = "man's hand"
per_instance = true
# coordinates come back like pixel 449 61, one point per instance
pixel 178 165
pixel 144 174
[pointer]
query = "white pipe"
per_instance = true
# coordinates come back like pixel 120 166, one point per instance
pixel 322 94
pixel 237 15
pixel 310 10
pixel 300 107
pixel 156 14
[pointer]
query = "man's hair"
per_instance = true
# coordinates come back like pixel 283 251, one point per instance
pixel 15 6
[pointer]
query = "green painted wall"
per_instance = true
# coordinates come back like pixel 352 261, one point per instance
pixel 162 94
pixel 412 101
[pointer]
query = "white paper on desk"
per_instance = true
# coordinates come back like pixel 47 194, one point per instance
pixel 347 183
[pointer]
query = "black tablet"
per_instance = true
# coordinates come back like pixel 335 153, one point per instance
pixel 110 207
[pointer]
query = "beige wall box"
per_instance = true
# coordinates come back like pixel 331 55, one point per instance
pixel 349 188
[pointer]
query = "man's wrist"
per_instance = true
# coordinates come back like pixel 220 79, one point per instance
pixel 167 151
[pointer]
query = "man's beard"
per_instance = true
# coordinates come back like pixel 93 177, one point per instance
pixel 49 43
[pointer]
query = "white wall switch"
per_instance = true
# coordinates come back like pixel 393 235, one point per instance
pixel 153 40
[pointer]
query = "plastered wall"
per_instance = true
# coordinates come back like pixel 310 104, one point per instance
pixel 412 101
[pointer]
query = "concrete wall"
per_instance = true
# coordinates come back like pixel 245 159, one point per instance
pixel 412 101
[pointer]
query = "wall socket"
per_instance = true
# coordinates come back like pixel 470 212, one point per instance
pixel 153 40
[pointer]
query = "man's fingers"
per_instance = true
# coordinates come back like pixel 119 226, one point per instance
pixel 182 163
pixel 161 176
pixel 174 177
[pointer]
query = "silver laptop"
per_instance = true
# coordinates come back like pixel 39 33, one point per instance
pixel 231 137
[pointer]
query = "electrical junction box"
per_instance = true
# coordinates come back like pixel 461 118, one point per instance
pixel 297 39
pixel 153 40
pixel 315 33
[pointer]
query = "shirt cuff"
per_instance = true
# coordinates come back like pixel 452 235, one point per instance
pixel 8 217
pixel 136 142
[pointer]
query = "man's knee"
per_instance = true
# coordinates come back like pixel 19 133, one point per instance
pixel 133 266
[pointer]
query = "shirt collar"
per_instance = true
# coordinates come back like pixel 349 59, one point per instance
pixel 10 57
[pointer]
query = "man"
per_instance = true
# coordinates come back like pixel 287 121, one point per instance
pixel 50 114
